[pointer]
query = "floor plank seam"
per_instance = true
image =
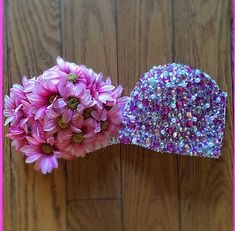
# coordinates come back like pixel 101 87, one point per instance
pixel 120 148
pixel 93 199
pixel 177 160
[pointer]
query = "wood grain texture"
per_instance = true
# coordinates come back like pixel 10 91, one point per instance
pixel 33 41
pixel 202 39
pixel 91 39
pixel 6 142
pixel 98 215
pixel 121 187
pixel 149 180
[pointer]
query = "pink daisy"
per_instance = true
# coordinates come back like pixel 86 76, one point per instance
pixel 12 110
pixel 74 98
pixel 13 105
pixel 79 140
pixel 72 72
pixel 108 124
pixel 18 134
pixel 44 94
pixel 116 94
pixel 99 90
pixel 28 84
pixel 62 123
pixel 42 150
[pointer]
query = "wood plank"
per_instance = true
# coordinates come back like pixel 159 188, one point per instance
pixel 90 38
pixel 149 179
pixel 202 39
pixel 33 42
pixel 6 142
pixel 99 215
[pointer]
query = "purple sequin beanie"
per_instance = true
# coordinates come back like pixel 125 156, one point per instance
pixel 175 108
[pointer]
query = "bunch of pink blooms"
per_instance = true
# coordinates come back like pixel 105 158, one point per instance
pixel 66 112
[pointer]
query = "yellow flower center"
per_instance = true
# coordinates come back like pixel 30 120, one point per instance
pixel 104 125
pixel 87 113
pixel 47 148
pixel 78 137
pixel 108 107
pixel 51 99
pixel 72 78
pixel 61 124
pixel 72 103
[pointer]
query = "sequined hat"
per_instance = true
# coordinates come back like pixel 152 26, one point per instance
pixel 175 108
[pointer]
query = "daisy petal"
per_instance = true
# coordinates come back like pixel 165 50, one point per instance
pixel 32 141
pixel 32 158
pixel 44 165
pixel 40 113
pixel 106 88
pixel 105 97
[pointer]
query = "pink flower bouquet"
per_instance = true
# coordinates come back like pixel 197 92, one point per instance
pixel 66 112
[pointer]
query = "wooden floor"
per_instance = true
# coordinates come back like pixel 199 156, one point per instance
pixel 121 187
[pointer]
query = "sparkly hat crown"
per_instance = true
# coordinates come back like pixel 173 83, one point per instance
pixel 175 108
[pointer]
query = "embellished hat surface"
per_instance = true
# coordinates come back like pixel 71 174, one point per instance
pixel 175 108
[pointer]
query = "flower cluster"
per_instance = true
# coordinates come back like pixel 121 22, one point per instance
pixel 66 112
